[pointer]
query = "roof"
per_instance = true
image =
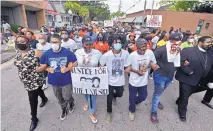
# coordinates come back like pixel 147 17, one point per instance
pixel 165 7
pixel 59 7
pixel 138 19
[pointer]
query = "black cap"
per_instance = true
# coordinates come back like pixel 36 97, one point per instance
pixel 175 36
pixel 87 40
pixel 140 41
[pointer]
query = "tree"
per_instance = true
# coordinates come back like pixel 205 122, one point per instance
pixel 97 10
pixel 74 6
pixel 117 14
pixel 179 5
pixel 185 5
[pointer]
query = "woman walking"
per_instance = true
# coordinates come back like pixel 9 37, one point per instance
pixel 27 62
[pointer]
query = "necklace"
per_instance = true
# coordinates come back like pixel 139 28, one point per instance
pixel 204 59
pixel 115 55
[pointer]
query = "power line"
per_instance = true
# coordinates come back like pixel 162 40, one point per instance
pixel 133 6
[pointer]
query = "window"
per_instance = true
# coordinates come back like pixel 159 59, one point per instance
pixel 201 22
pixel 207 26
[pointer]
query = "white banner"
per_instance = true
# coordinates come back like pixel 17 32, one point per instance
pixel 154 21
pixel 95 22
pixel 108 23
pixel 90 80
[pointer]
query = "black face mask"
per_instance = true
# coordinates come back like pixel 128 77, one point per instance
pixel 22 46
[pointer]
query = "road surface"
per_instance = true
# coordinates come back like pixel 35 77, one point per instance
pixel 15 111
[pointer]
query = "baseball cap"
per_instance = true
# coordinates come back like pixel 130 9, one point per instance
pixel 140 41
pixel 87 40
pixel 175 36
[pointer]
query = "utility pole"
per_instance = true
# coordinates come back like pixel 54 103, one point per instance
pixel 152 6
pixel 144 12
pixel 120 5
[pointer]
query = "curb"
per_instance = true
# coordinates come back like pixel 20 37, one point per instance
pixel 9 58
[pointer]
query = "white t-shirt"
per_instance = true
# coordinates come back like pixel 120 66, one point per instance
pixel 115 64
pixel 136 62
pixel 70 44
pixel 88 60
pixel 78 41
pixel 43 48
pixel 155 41
pixel 6 26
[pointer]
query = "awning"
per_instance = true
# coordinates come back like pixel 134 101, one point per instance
pixel 52 12
pixel 138 19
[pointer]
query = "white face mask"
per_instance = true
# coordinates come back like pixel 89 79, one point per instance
pixel 55 47
pixel 191 40
pixel 41 41
pixel 64 36
pixel 52 33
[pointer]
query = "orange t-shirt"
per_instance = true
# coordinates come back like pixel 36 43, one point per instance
pixel 134 48
pixel 82 33
pixel 149 45
pixel 103 48
pixel 34 37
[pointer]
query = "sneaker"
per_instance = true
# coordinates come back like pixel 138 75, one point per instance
pixel 131 116
pixel 114 101
pixel 154 117
pixel 108 117
pixel 150 76
pixel 93 118
pixel 44 87
pixel 72 107
pixel 160 106
pixel 64 114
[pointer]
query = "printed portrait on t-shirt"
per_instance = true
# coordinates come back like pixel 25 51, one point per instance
pixel 87 59
pixel 142 65
pixel 57 63
pixel 117 67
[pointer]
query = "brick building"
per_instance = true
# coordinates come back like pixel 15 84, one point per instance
pixel 201 23
pixel 29 14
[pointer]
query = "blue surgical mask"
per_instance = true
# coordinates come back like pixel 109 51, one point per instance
pixel 117 46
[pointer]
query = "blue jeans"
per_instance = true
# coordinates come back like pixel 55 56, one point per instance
pixel 161 83
pixel 91 101
pixel 136 96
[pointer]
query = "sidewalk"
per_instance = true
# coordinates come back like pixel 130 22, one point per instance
pixel 6 55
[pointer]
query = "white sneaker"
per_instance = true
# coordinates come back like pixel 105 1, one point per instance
pixel 108 117
pixel 150 77
pixel 44 87
pixel 131 116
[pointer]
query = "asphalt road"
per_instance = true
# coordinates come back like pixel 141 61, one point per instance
pixel 15 111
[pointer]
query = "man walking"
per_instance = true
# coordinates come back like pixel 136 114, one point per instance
pixel 192 71
pixel 58 61
pixel 138 62
pixel 168 57
pixel 115 60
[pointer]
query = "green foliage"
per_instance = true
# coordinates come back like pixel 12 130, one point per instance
pixel 14 27
pixel 95 10
pixel 74 6
pixel 117 14
pixel 84 11
pixel 180 5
